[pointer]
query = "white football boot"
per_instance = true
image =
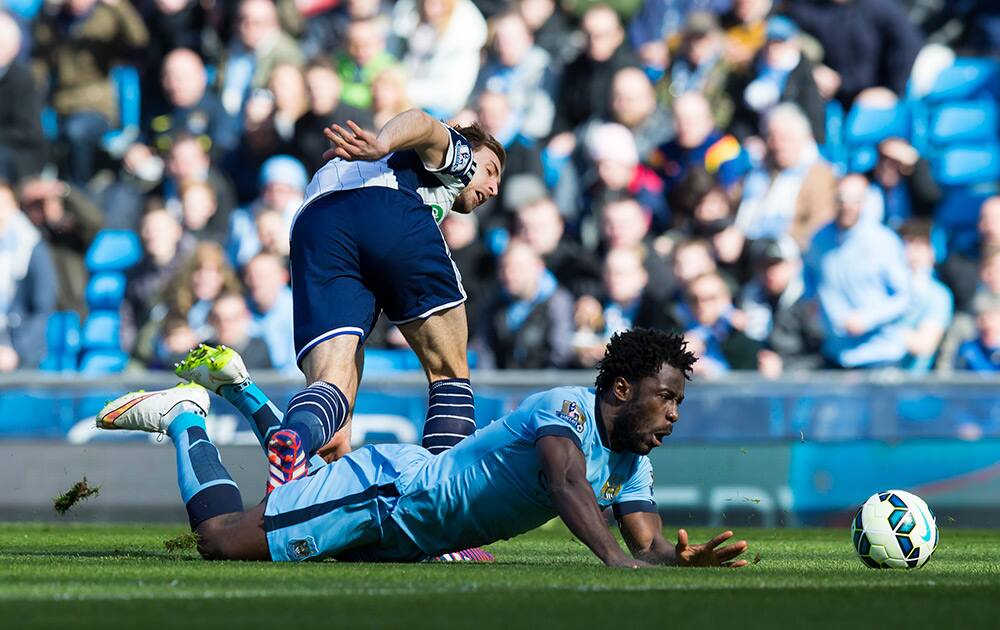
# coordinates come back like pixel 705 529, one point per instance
pixel 150 411
pixel 213 367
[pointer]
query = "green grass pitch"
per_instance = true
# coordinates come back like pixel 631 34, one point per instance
pixel 105 576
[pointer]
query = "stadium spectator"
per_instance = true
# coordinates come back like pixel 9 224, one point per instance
pixel 363 57
pixel 28 286
pixel 549 28
pixel 611 170
pixel 657 22
pixel 634 105
pixel 625 225
pixel 779 74
pixel 979 24
pixel 232 326
pixel 882 44
pixel 932 306
pixel 539 223
pixel 282 183
pixel 174 25
pixel 270 300
pixel 190 108
pixel 960 271
pixel 270 116
pixel 493 110
pixel 145 173
pixel 523 72
pixel 439 42
pixel 583 91
pixel 75 44
pixel 474 262
pixel 792 192
pixel 529 325
pixel 21 142
pixel 200 215
pixel 859 274
pixel 698 143
pixel 746 30
pixel 68 221
pixel 691 258
pixel 905 181
pixel 626 301
pixel 205 275
pixel 325 108
pixel 778 313
pixel 986 283
pixel 698 66
pixel 982 354
pixel 389 96
pixel 326 22
pixel 166 248
pixel 260 46
pixel 174 339
pixel 715 329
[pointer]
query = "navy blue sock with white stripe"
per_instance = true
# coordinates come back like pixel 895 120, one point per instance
pixel 451 414
pixel 316 413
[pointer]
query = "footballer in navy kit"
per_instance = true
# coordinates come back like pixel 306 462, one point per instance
pixel 366 242
pixel 568 452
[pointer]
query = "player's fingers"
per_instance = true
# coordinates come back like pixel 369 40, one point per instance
pixel 358 131
pixel 736 565
pixel 731 551
pixel 348 136
pixel 718 540
pixel 682 538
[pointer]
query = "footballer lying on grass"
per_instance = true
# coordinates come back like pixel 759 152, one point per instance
pixel 570 451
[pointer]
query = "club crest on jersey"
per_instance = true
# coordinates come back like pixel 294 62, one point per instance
pixel 612 488
pixel 302 548
pixel 571 412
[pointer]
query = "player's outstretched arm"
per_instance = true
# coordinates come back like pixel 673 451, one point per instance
pixel 413 129
pixel 643 534
pixel 572 496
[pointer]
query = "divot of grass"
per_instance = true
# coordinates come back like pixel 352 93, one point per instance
pixel 80 491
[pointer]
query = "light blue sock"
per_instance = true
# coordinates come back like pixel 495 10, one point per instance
pixel 206 487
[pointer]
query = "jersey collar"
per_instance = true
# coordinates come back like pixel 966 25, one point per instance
pixel 601 431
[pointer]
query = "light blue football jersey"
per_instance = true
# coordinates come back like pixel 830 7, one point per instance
pixel 491 487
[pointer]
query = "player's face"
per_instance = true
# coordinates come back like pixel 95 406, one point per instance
pixel 650 413
pixel 485 183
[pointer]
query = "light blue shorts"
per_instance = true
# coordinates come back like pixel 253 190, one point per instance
pixel 342 511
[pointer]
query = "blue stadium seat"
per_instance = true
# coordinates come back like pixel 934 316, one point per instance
pixel 62 336
pixel 126 83
pixel 113 250
pixel 103 362
pixel 965 165
pixel 965 122
pixel 102 330
pixel 869 125
pixel 106 290
pixel 968 78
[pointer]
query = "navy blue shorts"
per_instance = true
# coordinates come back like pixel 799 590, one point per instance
pixel 355 253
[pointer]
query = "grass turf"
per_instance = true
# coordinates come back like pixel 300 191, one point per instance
pixel 108 576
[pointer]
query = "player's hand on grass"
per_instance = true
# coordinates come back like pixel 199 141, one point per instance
pixel 354 143
pixel 625 562
pixel 710 554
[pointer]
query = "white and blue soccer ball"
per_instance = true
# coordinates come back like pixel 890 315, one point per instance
pixel 894 530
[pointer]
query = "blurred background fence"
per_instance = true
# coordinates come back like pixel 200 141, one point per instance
pixel 792 452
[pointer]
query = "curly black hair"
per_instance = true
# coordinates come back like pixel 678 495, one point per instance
pixel 641 352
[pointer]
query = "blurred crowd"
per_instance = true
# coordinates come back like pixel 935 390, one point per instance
pixel 665 169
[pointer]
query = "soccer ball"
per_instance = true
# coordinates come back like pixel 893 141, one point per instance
pixel 895 530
